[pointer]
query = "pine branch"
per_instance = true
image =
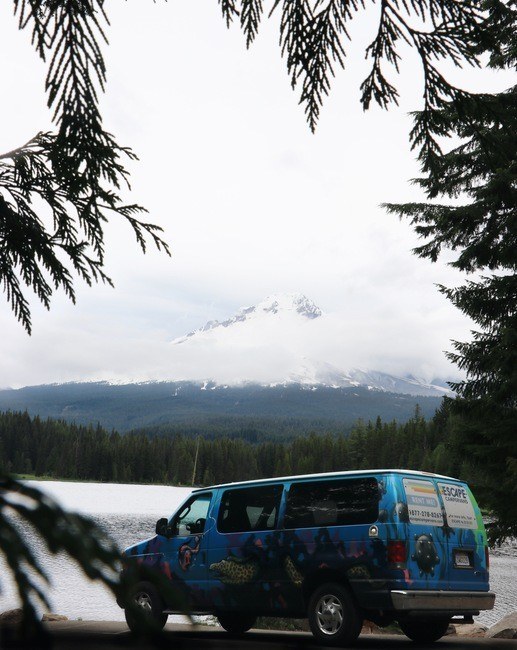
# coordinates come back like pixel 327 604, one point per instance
pixel 229 10
pixel 95 554
pixel 251 14
pixel 30 252
pixel 376 86
pixel 311 40
pixel 312 35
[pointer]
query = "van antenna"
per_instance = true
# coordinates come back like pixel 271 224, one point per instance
pixel 195 462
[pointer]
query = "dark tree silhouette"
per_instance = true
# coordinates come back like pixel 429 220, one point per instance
pixel 478 179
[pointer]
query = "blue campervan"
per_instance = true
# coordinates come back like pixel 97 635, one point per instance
pixel 337 548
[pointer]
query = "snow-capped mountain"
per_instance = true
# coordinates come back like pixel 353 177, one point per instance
pixel 277 305
pixel 284 339
pixel 281 358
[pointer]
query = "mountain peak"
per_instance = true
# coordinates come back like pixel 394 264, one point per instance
pixel 281 302
pixel 274 305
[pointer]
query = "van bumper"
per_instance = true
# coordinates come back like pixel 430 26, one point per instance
pixel 406 600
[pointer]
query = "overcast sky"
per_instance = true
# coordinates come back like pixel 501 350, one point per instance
pixel 251 202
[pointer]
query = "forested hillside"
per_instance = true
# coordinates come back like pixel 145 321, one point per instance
pixel 58 449
pixel 130 406
pixel 251 429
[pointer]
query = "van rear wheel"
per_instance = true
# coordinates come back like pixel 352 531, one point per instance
pixel 333 616
pixel 236 623
pixel 425 631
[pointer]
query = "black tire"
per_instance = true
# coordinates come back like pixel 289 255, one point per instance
pixel 333 616
pixel 146 613
pixel 425 631
pixel 236 623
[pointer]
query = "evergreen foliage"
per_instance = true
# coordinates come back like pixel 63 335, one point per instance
pixel 57 449
pixel 314 34
pixel 61 531
pixel 479 223
pixel 58 190
pixel 249 429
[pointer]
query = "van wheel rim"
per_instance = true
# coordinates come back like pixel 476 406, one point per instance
pixel 144 602
pixel 329 614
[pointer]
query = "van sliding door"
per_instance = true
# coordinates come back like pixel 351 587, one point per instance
pixel 245 571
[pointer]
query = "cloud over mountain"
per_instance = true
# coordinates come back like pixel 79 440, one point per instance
pixel 286 338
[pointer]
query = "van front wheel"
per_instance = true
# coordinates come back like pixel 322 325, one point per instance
pixel 425 631
pixel 236 623
pixel 333 617
pixel 145 612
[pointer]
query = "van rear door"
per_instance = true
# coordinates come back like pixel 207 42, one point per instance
pixel 427 541
pixel 466 538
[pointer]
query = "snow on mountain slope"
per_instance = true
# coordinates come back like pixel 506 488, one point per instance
pixel 283 339
pixel 283 307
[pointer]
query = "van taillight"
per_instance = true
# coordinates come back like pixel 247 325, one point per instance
pixel 396 552
pixel 487 558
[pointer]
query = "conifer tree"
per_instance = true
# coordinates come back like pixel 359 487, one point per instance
pixel 479 174
pixel 479 222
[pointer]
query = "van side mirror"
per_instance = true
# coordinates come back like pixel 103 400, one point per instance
pixel 162 527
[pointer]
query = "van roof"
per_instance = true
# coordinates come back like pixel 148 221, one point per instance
pixel 358 472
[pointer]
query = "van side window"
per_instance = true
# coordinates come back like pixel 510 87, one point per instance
pixel 249 509
pixel 332 503
pixel 191 519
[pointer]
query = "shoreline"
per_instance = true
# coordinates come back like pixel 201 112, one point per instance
pixel 48 479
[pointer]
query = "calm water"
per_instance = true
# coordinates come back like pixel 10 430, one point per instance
pixel 129 513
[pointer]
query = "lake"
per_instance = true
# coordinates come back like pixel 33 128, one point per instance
pixel 129 513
